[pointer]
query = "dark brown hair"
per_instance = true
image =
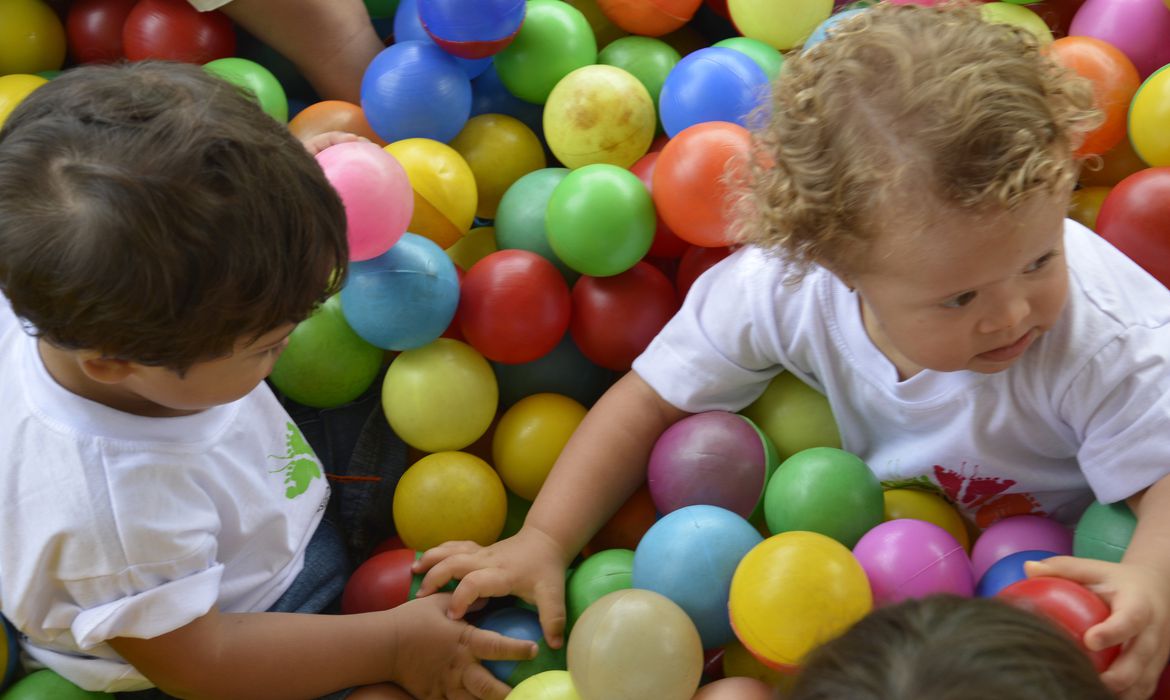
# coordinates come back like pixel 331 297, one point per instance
pixel 154 213
pixel 949 648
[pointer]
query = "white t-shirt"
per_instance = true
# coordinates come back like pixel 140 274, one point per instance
pixel 208 5
pixel 1085 411
pixel 118 525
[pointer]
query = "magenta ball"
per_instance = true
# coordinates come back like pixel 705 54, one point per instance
pixel 1139 28
pixel 713 458
pixel 376 192
pixel 908 558
pixel 1018 534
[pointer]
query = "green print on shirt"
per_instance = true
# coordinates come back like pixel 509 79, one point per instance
pixel 302 467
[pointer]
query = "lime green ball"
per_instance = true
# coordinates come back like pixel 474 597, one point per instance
pixel 1104 531
pixel 765 56
pixel 550 685
pixel 647 59
pixel 256 80
pixel 1018 15
pixel 794 415
pixel 326 363
pixel 824 490
pixel 554 40
pixel 605 572
pixel 600 220
pixel 46 685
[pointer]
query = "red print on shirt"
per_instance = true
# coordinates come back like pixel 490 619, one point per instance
pixel 984 497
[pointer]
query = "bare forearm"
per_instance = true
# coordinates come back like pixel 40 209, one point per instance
pixel 1150 545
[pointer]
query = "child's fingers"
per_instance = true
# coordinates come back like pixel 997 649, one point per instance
pixel 1083 571
pixel 494 646
pixel 434 555
pixel 482 583
pixel 550 605
pixel 1129 676
pixel 1125 622
pixel 442 566
pixel 482 684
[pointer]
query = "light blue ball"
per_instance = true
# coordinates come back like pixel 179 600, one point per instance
pixel 711 84
pixel 823 28
pixel 414 89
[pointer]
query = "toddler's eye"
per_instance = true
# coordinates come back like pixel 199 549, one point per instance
pixel 1040 262
pixel 960 301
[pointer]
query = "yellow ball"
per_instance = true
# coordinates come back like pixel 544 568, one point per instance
pixel 782 24
pixel 794 591
pixel 475 246
pixel 444 189
pixel 1086 204
pixel 604 30
pixel 530 437
pixel 31 37
pixel 794 415
pixel 1149 119
pixel 738 661
pixel 442 396
pixel 599 114
pixel 13 89
pixel 922 505
pixel 449 496
pixel 500 150
pixel 549 685
pixel 1020 16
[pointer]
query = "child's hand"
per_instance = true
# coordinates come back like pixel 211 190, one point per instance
pixel 438 657
pixel 1139 597
pixel 319 142
pixel 529 564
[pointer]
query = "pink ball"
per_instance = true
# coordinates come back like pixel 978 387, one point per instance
pixel 1139 28
pixel 909 558
pixel 1018 534
pixel 376 192
pixel 736 688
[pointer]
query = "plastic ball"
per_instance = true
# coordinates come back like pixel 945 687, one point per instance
pixel 47 685
pixel 550 685
pixel 449 496
pixel 256 80
pixel 489 95
pixel 472 28
pixel 1104 531
pixel 519 623
pixel 1086 203
pixel 404 298
pixel 1070 605
pixel 93 30
pixel 922 505
pixel 1017 534
pixel 824 490
pixel 665 244
pixel 445 192
pixel 1115 165
pixel 649 60
pixel 381 582
pixel 736 689
pixel 714 458
pixel 738 662
pixel 375 190
pixel 1133 218
pixel 530 437
pixel 563 370
pixel 694 261
pixel 602 573
pixel 615 318
pixel 1007 571
pixel 634 644
pixel 599 114
pixel 766 57
pixel 711 85
pixel 13 89
pixel 628 525
pixel 520 217
pixel 652 18
pixel 822 31
pixel 604 29
pixel 326 363
pixel 782 24
pixel 475 246
pixel 1148 116
pixel 332 115
pixel 31 37
pixel 794 415
pixel 10 653
pixel 1016 15
pixel 600 220
pixel 442 396
pixel 793 592
pixel 173 30
pixel 514 306
pixel 690 189
pixel 408 26
pixel 415 89
pixel 689 556
pixel 1137 27
pixel 1114 80
pixel 910 558
pixel 554 40
pixel 499 150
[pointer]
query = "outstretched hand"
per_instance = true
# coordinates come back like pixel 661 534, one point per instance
pixel 319 142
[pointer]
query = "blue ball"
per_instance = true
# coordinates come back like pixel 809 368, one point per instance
pixel 711 84
pixel 1007 571
pixel 516 623
pixel 823 28
pixel 404 298
pixel 689 556
pixel 408 27
pixel 564 370
pixel 472 28
pixel 490 96
pixel 414 89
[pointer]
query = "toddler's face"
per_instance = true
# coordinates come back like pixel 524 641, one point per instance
pixel 958 291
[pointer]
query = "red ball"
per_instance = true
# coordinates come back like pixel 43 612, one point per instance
pixel 666 244
pixel 382 582
pixel 690 184
pixel 1135 217
pixel 615 318
pixel 93 30
pixel 1070 605
pixel 694 262
pixel 514 306
pixel 175 31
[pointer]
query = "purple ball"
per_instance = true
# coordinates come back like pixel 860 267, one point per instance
pixel 1139 28
pixel 1017 534
pixel 909 558
pixel 714 458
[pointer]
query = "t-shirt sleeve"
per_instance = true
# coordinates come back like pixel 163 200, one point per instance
pixel 208 5
pixel 714 354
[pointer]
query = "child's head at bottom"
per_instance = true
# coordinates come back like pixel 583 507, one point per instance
pixel 949 648
pixel 153 214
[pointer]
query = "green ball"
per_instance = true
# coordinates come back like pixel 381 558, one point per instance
pixel 381 9
pixel 554 40
pixel 764 55
pixel 824 490
pixel 794 415
pixel 771 463
pixel 550 685
pixel 1104 531
pixel 647 59
pixel 605 572
pixel 46 685
pixel 326 363
pixel 256 80
pixel 519 218
pixel 600 220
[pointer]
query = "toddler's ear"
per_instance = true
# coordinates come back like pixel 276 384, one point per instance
pixel 103 369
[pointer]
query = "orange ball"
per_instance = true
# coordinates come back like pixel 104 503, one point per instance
pixel 689 186
pixel 1114 79
pixel 1116 165
pixel 332 115
pixel 649 17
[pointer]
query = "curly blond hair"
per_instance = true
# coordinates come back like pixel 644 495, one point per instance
pixel 903 103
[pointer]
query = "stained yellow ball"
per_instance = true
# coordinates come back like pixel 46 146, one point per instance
pixel 449 496
pixel 599 114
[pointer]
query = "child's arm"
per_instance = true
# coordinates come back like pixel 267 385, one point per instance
pixel 330 41
pixel 602 464
pixel 1138 592
pixel 280 656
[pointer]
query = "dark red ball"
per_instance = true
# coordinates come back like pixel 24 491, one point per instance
pixel 93 30
pixel 381 582
pixel 175 31
pixel 615 318
pixel 1135 217
pixel 1070 605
